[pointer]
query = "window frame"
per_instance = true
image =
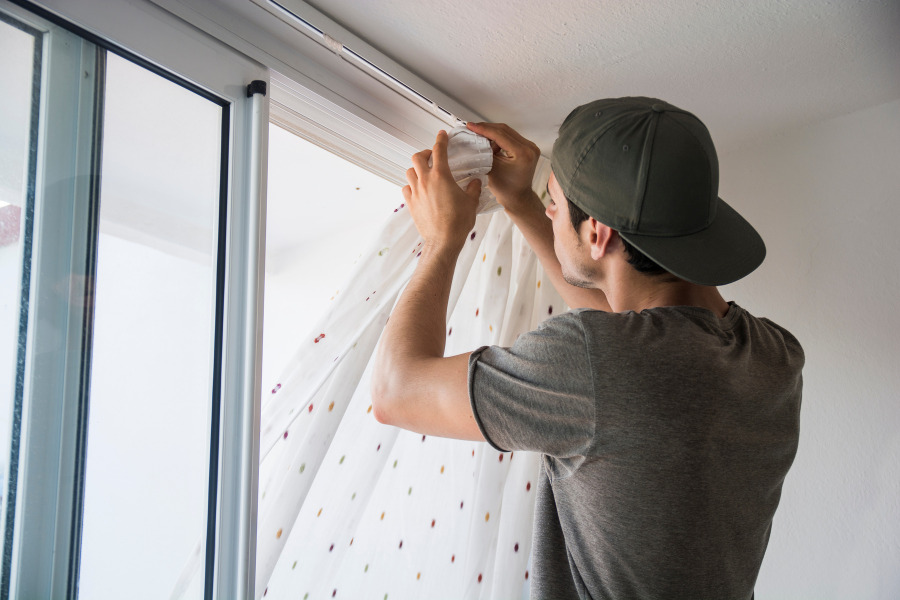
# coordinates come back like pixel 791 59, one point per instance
pixel 46 534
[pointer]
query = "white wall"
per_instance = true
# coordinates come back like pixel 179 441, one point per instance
pixel 827 201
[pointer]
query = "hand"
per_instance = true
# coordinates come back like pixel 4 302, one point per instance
pixel 515 160
pixel 444 214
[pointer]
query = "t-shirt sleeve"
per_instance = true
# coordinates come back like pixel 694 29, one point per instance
pixel 539 394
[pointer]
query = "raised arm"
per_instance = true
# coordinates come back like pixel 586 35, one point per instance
pixel 413 385
pixel 515 160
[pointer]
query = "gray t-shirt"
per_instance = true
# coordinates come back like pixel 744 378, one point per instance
pixel 666 436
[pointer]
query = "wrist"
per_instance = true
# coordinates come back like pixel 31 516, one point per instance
pixel 521 203
pixel 442 250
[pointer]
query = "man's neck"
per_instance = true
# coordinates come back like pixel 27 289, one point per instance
pixel 628 289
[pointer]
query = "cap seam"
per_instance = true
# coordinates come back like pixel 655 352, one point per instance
pixel 590 147
pixel 651 140
pixel 706 155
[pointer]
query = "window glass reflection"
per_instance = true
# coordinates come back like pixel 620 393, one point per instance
pixel 148 436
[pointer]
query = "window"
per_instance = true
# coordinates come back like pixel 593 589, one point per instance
pixel 151 398
pixel 129 214
pixel 323 212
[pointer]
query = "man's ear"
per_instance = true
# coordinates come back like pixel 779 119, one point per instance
pixel 601 238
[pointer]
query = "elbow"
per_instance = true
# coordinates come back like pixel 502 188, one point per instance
pixel 381 403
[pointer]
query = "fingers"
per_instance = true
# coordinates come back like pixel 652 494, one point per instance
pixel 440 150
pixel 474 188
pixel 420 161
pixel 412 177
pixel 500 133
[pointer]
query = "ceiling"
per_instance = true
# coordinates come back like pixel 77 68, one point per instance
pixel 748 69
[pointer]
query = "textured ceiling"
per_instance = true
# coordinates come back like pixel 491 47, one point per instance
pixel 748 69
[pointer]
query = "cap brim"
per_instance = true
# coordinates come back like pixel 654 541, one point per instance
pixel 727 250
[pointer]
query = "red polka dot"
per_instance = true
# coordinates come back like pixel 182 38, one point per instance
pixel 453 558
pixel 472 237
pixel 479 578
pixel 321 336
pixel 528 487
pixel 401 544
pixel 331 548
pixel 526 574
pixel 516 547
pixel 423 438
pixel 334 593
pixel 460 505
pixel 310 407
pixel 477 311
pixel 501 458
pixel 432 522
pixel 378 448
pixel 549 310
pixel 448 333
pixel 285 434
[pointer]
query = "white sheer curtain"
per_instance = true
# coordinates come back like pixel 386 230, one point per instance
pixel 352 508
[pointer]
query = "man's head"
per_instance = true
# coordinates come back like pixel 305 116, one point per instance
pixel 649 171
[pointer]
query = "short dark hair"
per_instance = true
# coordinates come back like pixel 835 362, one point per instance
pixel 637 259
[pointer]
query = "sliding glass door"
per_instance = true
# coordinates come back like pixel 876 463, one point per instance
pixel 116 188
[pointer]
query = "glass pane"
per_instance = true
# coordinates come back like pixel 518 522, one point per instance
pixel 148 435
pixel 16 137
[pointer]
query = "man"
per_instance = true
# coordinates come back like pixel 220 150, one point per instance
pixel 667 418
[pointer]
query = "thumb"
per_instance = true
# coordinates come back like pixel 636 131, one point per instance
pixel 474 188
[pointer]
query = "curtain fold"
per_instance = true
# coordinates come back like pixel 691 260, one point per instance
pixel 352 508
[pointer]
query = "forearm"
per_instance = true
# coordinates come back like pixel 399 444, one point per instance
pixel 416 329
pixel 529 217
pixel 413 385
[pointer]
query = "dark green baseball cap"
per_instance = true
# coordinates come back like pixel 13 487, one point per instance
pixel 649 170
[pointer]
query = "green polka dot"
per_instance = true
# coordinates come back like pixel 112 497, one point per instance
pixel 340 462
pixel 306 595
pixel 383 251
pixel 294 566
pixel 366 570
pixel 302 467
pixel 409 493
pixel 499 269
pixel 395 464
pixel 353 497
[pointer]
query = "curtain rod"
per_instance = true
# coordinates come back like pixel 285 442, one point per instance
pixel 363 63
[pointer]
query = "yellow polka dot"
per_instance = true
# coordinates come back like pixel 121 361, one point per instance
pixel 319 513
pixel 539 283
pixel 487 517
pixel 491 327
pixel 442 468
pixel 278 534
pixel 382 516
pixel 331 407
pixel 418 576
pixel 368 410
pixel 484 257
